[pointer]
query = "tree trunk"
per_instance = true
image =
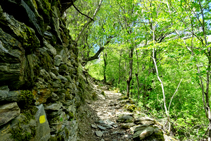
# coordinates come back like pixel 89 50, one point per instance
pixel 131 71
pixel 119 65
pixel 138 85
pixel 105 65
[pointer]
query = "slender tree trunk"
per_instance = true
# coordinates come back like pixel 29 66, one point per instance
pixel 105 65
pixel 138 85
pixel 120 57
pixel 155 57
pixel 131 71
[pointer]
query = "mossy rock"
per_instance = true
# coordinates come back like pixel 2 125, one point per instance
pixel 26 99
pixel 130 107
pixel 63 68
pixel 131 101
pixel 19 135
pixel 68 95
pixel 24 131
pixel 53 138
pixel 94 95
pixel 158 135
pixel 71 115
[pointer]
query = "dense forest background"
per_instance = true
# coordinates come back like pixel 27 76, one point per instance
pixel 155 51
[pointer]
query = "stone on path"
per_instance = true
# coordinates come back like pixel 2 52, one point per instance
pixel 99 133
pixel 101 127
pixel 111 123
pixel 144 121
pixel 125 118
pixel 127 125
pixel 100 122
pixel 94 126
pixel 118 132
pixel 141 134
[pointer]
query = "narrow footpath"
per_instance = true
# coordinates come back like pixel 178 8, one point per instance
pixel 108 108
pixel 111 118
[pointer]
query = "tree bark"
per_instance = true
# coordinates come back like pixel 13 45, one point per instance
pixel 105 65
pixel 120 57
pixel 131 71
pixel 138 85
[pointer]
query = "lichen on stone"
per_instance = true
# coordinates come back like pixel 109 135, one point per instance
pixel 130 107
pixel 26 97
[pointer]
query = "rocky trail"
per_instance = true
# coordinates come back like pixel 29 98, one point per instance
pixel 111 117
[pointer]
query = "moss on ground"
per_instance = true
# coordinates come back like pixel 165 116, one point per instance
pixel 130 107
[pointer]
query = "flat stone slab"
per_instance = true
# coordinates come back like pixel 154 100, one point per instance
pixel 8 112
pixel 125 118
pixel 94 126
pixel 144 121
pixel 101 127
pixel 99 133
pixel 141 134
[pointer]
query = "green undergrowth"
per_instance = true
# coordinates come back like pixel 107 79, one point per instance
pixel 26 99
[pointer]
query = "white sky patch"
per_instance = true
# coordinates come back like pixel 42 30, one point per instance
pixel 208 38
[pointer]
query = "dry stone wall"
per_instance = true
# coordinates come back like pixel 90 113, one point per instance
pixel 41 84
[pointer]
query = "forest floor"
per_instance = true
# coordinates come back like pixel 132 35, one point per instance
pixel 99 123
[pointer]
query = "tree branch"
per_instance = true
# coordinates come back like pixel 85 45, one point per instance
pixel 85 26
pixel 96 56
pixel 81 12
pixel 174 94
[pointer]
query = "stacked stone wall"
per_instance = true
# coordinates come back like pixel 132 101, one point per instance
pixel 41 84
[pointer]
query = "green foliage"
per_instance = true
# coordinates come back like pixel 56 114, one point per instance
pixel 71 115
pixel 18 134
pixel 174 30
pixel 26 97
pixel 130 107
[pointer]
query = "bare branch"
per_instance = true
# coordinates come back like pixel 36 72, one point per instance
pixel 82 13
pixel 174 94
pixel 85 26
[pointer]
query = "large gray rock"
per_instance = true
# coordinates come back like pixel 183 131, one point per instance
pixel 42 128
pixel 144 121
pixel 54 106
pixel 8 112
pixel 99 133
pixel 15 70
pixel 141 134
